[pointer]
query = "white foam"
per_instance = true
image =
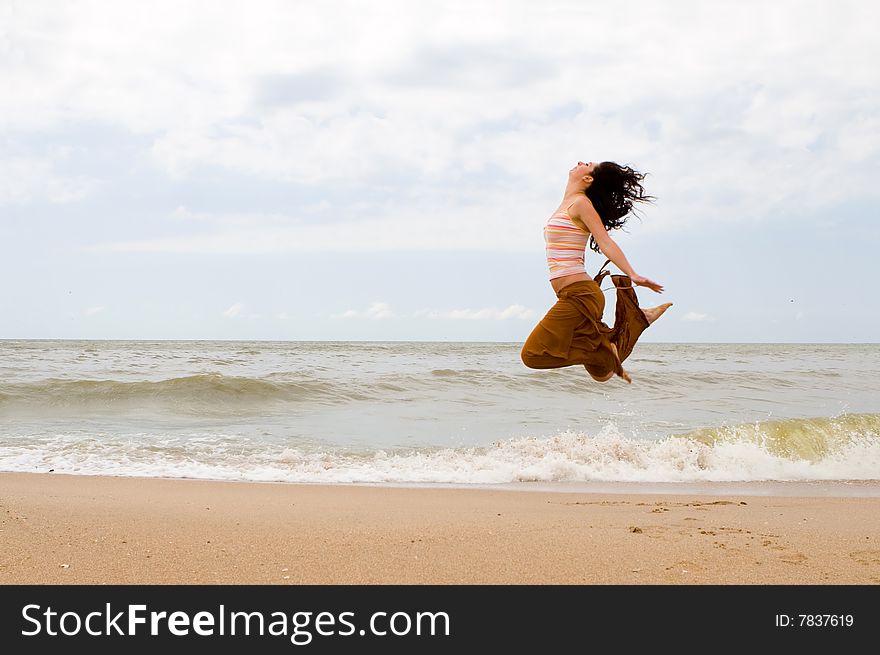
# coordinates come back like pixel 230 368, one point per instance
pixel 566 457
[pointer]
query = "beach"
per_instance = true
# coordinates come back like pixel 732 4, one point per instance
pixel 76 529
pixel 176 462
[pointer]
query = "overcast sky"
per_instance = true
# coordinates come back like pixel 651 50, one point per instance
pixel 383 170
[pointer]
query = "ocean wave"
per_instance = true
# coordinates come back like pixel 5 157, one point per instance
pixel 204 392
pixel 810 439
pixel 840 448
pixel 216 393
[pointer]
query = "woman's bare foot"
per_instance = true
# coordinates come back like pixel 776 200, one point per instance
pixel 623 372
pixel 610 375
pixel 653 313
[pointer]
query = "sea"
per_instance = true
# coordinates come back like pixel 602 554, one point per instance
pixel 441 413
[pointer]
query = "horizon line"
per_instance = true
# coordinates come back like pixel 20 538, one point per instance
pixel 769 343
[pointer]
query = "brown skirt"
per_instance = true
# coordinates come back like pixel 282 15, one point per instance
pixel 572 332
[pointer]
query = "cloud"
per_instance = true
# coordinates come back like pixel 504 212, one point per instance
pixel 287 89
pixel 238 310
pixel 474 65
pixel 412 127
pixel 234 310
pixel 411 224
pixel 23 179
pixel 386 104
pixel 697 317
pixel 375 312
pixel 381 310
pixel 487 313
pixel 91 311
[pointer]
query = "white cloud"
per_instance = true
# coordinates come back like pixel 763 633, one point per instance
pixel 238 310
pixel 397 125
pixel 411 224
pixel 381 310
pixel 23 179
pixel 697 317
pixel 91 311
pixel 376 311
pixel 487 313
pixel 385 103
pixel 234 310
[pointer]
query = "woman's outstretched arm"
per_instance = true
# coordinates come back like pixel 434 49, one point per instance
pixel 587 214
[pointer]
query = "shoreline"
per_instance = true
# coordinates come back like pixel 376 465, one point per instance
pixel 69 529
pixel 784 488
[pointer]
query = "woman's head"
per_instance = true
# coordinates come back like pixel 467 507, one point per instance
pixel 613 190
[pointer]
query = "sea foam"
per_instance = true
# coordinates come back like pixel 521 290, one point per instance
pixel 841 448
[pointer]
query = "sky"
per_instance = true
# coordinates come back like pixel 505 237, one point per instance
pixel 383 170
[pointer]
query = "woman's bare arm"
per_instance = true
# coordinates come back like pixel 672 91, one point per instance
pixel 584 210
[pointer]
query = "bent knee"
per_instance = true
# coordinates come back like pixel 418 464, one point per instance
pixel 602 378
pixel 537 361
pixel 527 359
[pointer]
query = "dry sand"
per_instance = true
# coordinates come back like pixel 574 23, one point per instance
pixel 81 529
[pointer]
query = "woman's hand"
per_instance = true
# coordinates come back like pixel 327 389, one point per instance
pixel 645 282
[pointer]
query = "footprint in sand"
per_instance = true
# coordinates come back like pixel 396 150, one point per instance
pixel 772 545
pixel 794 558
pixel 715 502
pixel 659 532
pixel 866 557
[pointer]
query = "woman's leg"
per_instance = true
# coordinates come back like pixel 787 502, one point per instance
pixel 572 332
pixel 549 344
pixel 629 320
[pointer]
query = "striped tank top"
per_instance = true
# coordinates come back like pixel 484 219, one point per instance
pixel 566 243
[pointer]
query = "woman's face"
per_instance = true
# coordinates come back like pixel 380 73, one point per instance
pixel 583 169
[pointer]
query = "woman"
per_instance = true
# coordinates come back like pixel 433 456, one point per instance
pixel 598 198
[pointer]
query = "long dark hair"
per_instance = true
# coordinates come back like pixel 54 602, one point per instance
pixel 614 190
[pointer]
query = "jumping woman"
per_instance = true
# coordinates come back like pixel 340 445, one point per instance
pixel 598 198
